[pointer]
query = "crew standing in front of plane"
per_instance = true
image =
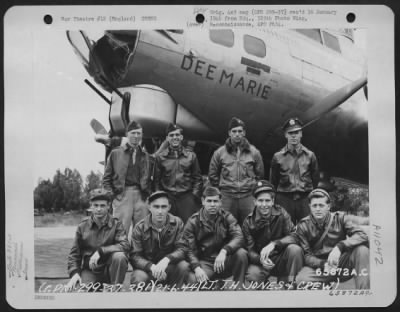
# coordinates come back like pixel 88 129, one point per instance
pixel 234 168
pixel 294 172
pixel 127 178
pixel 178 173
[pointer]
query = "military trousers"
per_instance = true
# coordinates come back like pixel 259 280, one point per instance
pixel 113 271
pixel 240 208
pixel 296 204
pixel 235 264
pixel 129 207
pixel 183 205
pixel 288 263
pixel 352 264
pixel 177 275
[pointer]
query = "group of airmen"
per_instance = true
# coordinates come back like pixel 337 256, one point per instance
pixel 239 226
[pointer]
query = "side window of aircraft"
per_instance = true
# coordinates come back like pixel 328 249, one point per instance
pixel 331 41
pixel 254 46
pixel 313 34
pixel 223 37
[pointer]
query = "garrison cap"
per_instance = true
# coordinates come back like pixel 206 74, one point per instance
pixel 99 194
pixel 263 186
pixel 235 122
pixel 133 125
pixel 292 124
pixel 318 191
pixel 157 195
pixel 211 191
pixel 172 127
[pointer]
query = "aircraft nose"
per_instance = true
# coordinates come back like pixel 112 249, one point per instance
pixel 106 59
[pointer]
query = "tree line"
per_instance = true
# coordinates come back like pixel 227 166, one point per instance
pixel 66 191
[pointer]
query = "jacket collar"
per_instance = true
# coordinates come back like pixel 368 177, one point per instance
pixel 127 147
pixel 258 220
pixel 203 216
pixel 107 221
pixel 324 223
pixel 300 149
pixel 148 225
pixel 167 151
pixel 230 147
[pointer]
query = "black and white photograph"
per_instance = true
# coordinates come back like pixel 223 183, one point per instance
pixel 229 155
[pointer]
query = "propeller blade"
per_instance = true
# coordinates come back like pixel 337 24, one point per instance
pixel 98 127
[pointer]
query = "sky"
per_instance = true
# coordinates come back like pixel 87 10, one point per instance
pixel 63 106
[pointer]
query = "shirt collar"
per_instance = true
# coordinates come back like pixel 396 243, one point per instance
pixel 107 221
pixel 299 149
pixel 204 218
pixel 148 224
pixel 127 147
pixel 257 219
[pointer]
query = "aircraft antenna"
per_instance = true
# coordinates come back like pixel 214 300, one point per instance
pixel 98 91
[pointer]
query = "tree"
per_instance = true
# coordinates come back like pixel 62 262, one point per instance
pixel 72 188
pixel 44 195
pixel 58 191
pixel 93 181
pixel 66 191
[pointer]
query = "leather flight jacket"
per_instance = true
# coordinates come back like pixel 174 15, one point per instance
pixel 259 232
pixel 150 245
pixel 342 233
pixel 204 239
pixel 89 238
pixel 178 172
pixel 117 167
pixel 236 173
pixel 294 171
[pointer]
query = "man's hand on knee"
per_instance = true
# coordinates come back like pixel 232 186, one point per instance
pixel 75 279
pixel 200 275
pixel 334 256
pixel 219 264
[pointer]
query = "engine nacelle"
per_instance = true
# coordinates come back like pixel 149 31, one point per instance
pixel 154 109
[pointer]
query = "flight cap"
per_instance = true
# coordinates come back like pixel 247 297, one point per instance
pixel 292 124
pixel 99 194
pixel 133 125
pixel 211 191
pixel 235 122
pixel 263 186
pixel 318 191
pixel 156 195
pixel 172 127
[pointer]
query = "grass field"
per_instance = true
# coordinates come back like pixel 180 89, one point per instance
pixel 58 219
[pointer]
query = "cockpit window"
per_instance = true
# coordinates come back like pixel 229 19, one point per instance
pixel 223 37
pixel 254 46
pixel 313 34
pixel 331 41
